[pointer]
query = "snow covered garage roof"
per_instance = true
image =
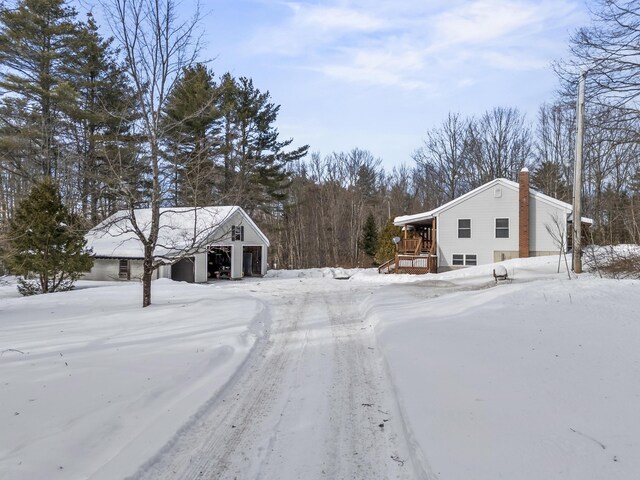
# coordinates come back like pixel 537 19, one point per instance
pixel 181 229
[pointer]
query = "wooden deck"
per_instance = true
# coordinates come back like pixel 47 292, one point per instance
pixel 416 253
pixel 414 264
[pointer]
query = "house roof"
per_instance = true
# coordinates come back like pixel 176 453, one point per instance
pixel 420 217
pixel 183 229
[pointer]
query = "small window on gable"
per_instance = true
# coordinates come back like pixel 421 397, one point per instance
pixel 464 228
pixel 237 233
pixel 124 272
pixel 502 228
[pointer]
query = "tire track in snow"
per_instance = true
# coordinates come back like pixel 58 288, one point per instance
pixel 368 441
pixel 209 449
pixel 308 404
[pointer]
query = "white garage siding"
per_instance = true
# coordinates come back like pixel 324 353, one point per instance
pixel 177 240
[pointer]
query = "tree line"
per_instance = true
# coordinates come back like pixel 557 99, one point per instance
pixel 72 111
pixel 136 120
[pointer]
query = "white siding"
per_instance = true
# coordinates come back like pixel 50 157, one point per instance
pixel 542 214
pixel 107 269
pixel 482 208
pixel 251 238
pixel 164 271
pixel 200 266
pixel 263 267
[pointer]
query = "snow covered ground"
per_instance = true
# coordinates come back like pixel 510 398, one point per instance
pixel 534 379
pixel 92 384
pixel 325 373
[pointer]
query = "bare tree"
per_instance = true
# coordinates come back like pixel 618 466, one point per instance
pixel 610 51
pixel 443 155
pixel 557 229
pixel 554 150
pixel 498 145
pixel 157 45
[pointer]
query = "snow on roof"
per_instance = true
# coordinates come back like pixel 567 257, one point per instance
pixel 181 229
pixel 417 217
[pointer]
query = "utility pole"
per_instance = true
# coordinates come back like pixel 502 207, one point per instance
pixel 577 182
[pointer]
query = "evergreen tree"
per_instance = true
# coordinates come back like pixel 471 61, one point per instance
pixel 547 178
pixel 44 247
pixel 386 247
pixel 102 114
pixel 254 159
pixel 192 123
pixel 369 239
pixel 36 46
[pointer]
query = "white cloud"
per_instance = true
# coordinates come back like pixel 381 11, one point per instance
pixel 416 46
pixel 336 19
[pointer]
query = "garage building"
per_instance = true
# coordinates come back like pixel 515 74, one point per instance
pixel 195 244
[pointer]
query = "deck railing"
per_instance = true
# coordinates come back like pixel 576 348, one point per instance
pixel 410 245
pixel 403 263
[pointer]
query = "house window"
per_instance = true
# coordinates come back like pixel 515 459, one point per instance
pixel 502 228
pixel 464 260
pixel 124 272
pixel 237 233
pixel 464 228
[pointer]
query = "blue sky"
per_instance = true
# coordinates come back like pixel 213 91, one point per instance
pixel 377 74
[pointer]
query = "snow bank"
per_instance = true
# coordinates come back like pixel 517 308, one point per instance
pixel 326 272
pixel 520 268
pixel 525 380
pixel 93 385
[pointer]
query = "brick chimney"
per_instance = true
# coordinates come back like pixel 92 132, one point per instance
pixel 523 213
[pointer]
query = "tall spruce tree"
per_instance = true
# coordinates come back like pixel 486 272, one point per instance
pixel 102 117
pixel 254 158
pixel 369 239
pixel 44 246
pixel 192 124
pixel 36 46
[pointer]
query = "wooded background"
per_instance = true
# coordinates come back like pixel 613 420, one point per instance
pixel 69 110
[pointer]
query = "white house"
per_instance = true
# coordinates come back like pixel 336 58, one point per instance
pixel 194 245
pixel 497 221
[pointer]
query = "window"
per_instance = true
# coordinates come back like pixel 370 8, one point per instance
pixel 502 228
pixel 237 233
pixel 464 228
pixel 123 270
pixel 462 260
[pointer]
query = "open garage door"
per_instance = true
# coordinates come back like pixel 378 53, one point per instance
pixel 219 262
pixel 252 261
pixel 183 270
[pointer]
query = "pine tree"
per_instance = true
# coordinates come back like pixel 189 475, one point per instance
pixel 44 247
pixel 36 41
pixel 369 239
pixel 191 122
pixel 102 116
pixel 547 178
pixel 386 247
pixel 254 159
